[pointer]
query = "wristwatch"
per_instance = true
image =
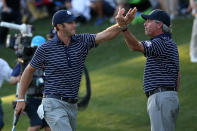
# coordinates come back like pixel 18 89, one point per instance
pixel 124 28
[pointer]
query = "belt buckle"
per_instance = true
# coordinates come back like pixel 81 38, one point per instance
pixel 69 100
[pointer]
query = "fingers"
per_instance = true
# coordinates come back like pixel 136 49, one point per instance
pixel 129 12
pixel 121 11
pixel 130 15
pixel 125 20
pixel 18 111
pixel 19 107
pixel 133 12
pixel 120 17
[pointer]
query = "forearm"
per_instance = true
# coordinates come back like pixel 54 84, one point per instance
pixel 25 81
pixel 14 80
pixel 108 34
pixel 132 42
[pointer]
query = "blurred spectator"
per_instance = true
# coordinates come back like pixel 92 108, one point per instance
pixel 5 73
pixel 10 13
pixel 40 8
pixel 142 6
pixel 120 4
pixel 104 9
pixel 193 43
pixel 80 9
pixel 184 8
pixel 34 92
pixel 60 4
pixel 171 7
pixel 157 4
pixel 26 13
pixel 1 5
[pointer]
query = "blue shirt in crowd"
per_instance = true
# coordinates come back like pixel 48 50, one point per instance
pixel 63 65
pixel 16 71
pixel 162 62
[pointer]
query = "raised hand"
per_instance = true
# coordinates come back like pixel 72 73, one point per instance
pixel 130 15
pixel 120 18
pixel 125 20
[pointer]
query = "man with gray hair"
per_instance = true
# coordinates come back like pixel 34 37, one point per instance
pixel 161 75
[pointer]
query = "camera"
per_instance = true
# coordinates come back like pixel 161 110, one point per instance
pixel 21 45
pixel 20 42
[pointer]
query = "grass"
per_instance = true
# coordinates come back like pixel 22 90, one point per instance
pixel 118 102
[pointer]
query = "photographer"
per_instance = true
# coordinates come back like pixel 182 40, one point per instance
pixel 34 93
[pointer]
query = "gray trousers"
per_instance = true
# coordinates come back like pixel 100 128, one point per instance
pixel 193 43
pixel 60 115
pixel 163 108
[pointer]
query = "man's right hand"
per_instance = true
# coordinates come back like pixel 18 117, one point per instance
pixel 20 106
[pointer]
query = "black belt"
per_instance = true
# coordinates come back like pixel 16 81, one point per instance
pixel 160 89
pixel 66 99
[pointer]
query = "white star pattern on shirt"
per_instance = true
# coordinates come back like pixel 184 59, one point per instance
pixel 148 43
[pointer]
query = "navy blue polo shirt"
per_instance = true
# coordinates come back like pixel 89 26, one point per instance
pixel 63 65
pixel 162 62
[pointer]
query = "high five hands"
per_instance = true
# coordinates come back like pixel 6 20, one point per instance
pixel 123 21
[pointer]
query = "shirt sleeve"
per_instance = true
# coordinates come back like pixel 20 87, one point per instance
pixel 154 47
pixel 7 70
pixel 16 70
pixel 39 57
pixel 89 39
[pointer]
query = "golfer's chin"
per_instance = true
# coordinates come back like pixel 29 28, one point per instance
pixel 147 33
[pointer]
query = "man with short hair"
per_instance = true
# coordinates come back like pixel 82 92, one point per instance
pixel 63 58
pixel 161 75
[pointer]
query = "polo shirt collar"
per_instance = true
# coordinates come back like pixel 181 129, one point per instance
pixel 58 41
